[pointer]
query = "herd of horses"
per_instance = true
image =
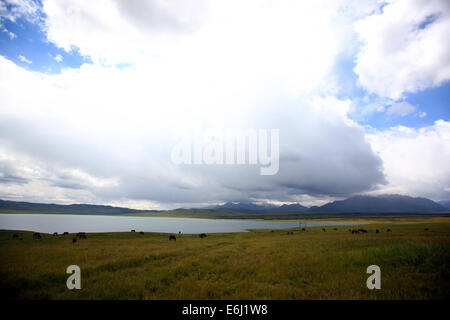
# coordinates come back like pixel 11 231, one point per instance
pixel 82 235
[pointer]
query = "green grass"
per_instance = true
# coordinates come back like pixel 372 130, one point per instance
pixel 415 264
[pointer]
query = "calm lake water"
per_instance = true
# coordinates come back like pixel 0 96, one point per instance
pixel 49 223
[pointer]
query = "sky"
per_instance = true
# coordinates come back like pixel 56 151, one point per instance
pixel 94 95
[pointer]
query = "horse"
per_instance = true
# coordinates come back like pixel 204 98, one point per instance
pixel 172 237
pixel 81 235
pixel 202 235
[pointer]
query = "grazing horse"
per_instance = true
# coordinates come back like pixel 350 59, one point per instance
pixel 303 229
pixel 355 231
pixel 335 229
pixel 65 233
pixel 388 230
pixel 142 232
pixel 81 235
pixel 426 229
pixel 349 230
pixel 37 235
pixel 362 230
pixel 172 237
pixel 55 233
pixel 15 236
pixel 202 235
pixel 133 230
pixel 323 229
pixel 377 231
pixel 74 240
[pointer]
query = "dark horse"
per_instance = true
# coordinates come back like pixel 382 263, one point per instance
pixel 81 235
pixel 202 235
pixel 172 237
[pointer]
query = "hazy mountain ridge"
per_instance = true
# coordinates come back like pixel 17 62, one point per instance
pixel 383 203
pixel 445 204
pixel 360 203
pixel 389 203
pixel 6 205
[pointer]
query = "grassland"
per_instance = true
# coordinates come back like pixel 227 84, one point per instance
pixel 415 264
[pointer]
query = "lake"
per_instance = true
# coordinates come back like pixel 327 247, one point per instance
pixel 49 223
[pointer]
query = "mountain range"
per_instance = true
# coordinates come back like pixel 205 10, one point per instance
pixel 29 207
pixel 356 204
pixel 360 203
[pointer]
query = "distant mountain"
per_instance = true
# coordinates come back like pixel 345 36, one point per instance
pixel 445 204
pixel 383 203
pixel 292 207
pixel 28 207
pixel 250 207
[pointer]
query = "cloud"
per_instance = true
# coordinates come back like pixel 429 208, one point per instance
pixel 404 48
pixel 105 134
pixel 14 9
pixel 422 114
pixel 415 160
pixel 401 108
pixel 58 58
pixel 23 59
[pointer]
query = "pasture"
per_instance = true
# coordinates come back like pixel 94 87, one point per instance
pixel 263 264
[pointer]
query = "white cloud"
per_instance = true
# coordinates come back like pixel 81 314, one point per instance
pixel 58 58
pixel 19 9
pixel 422 114
pixel 117 127
pixel 405 48
pixel 104 134
pixel 23 59
pixel 401 108
pixel 415 160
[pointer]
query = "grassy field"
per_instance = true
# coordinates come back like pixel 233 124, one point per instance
pixel 415 264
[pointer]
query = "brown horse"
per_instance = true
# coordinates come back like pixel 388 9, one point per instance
pixel 202 235
pixel 81 235
pixel 172 237
pixel 37 235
